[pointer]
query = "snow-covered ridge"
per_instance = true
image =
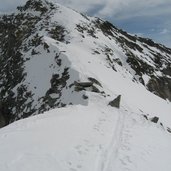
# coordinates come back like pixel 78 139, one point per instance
pixel 70 67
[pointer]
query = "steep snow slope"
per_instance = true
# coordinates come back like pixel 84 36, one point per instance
pixel 46 49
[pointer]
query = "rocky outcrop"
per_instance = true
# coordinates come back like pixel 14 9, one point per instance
pixel 2 121
pixel 87 86
pixel 160 86
pixel 155 119
pixel 116 102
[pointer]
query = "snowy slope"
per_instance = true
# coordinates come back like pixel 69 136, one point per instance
pixel 85 138
pixel 77 64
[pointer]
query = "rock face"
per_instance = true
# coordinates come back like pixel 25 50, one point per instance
pixel 83 84
pixel 116 102
pixel 40 58
pixel 160 86
pixel 2 121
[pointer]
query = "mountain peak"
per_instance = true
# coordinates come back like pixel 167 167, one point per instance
pixel 37 5
pixel 48 52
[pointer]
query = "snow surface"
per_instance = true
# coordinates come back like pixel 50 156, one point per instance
pixel 85 138
pixel 92 136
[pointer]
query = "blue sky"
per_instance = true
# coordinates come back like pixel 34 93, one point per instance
pixel 147 18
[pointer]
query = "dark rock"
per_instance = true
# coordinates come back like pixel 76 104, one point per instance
pixel 33 52
pixel 130 44
pixel 80 86
pixel 139 66
pixel 63 105
pixel 161 86
pixel 167 70
pixel 145 116
pixel 96 52
pixel 57 84
pixel 152 44
pixel 142 81
pixel 116 102
pixel 84 28
pixel 118 61
pixel 83 84
pixel 95 89
pixel 93 80
pixel 161 124
pixel 2 121
pixel 58 33
pixel 106 27
pixel 37 5
pixel 154 119
pixel 85 97
pixel 133 38
pixel 4 114
pixel 168 129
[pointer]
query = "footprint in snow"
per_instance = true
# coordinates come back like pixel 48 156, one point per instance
pixel 72 169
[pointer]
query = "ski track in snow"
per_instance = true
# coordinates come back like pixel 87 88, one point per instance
pixel 124 145
pixel 109 155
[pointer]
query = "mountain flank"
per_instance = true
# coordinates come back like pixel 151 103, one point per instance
pixel 44 52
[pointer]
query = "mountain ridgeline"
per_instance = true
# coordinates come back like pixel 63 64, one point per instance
pixel 43 49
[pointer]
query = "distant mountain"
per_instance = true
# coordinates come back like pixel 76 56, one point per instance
pixel 51 56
